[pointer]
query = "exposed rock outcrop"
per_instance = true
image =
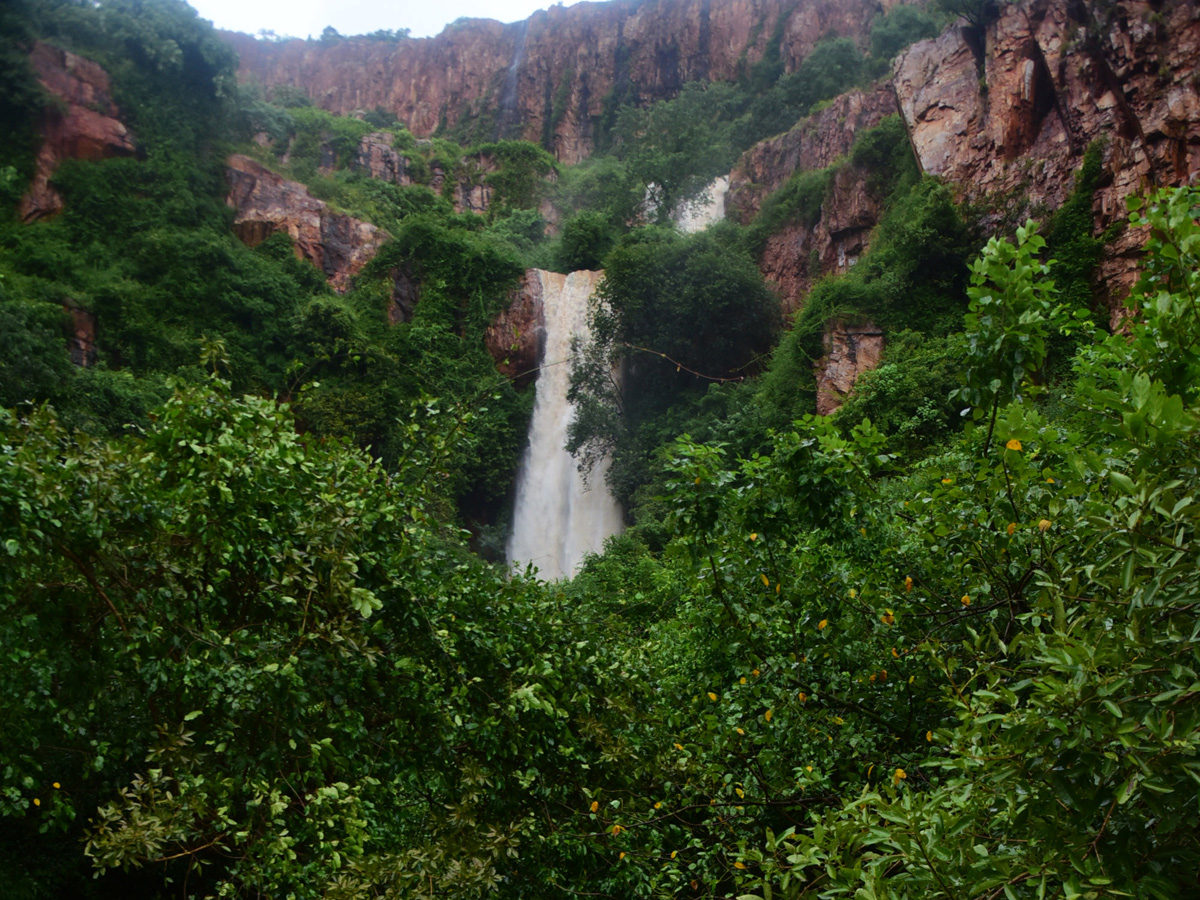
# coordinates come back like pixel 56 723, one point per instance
pixel 555 74
pixel 265 203
pixel 377 158
pixel 850 350
pixel 816 142
pixel 1057 75
pixel 514 339
pixel 84 124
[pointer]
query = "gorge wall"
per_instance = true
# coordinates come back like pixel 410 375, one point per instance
pixel 554 77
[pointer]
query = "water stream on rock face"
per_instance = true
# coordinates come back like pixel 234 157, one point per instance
pixel 706 210
pixel 506 115
pixel 558 517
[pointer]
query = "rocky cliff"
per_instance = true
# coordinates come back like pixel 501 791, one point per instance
pixel 553 77
pixel 84 123
pixel 265 203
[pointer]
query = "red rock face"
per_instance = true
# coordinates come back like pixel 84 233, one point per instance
pixel 850 350
pixel 1056 76
pixel 86 125
pixel 514 339
pixel 552 74
pixel 265 203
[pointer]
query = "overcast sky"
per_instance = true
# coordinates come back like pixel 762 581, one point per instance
pixel 302 18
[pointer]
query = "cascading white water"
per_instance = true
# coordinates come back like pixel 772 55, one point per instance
pixel 709 208
pixel 557 517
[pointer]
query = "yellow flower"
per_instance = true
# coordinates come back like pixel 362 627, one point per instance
pixel 821 625
pixel 622 856
pixel 37 802
pixel 754 672
pixel 595 805
pixel 767 715
pixel 778 588
pixel 57 785
pixel 754 536
pixel 966 599
pixel 895 655
pixel 883 674
pixel 887 618
pixel 739 865
pixel 947 481
pixel 1049 481
pixel 617 829
pixel 679 746
pixel 1012 526
pixel 673 852
pixel 853 593
pixel 765 580
pixel 742 680
pixel 808 768
pixel 1013 444
pixel 803 697
pixel 658 805
pixel 712 696
pixel 929 736
pixel 863 531
pixel 908 582
pixel 899 776
pixel 739 731
pixel 839 720
pixel 697 479
pixel 872 677
pixel 739 792
pixel 1043 525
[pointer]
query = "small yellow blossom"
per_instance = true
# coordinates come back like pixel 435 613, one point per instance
pixel 57 785
pixel 739 792
pixel 899 776
pixel 838 720
pixel 863 531
pixel 803 697
pixel 872 677
pixel 929 736
pixel 1043 525
pixel 742 680
pixel 1012 526
pixel 778 588
pixel 821 625
pixel 679 746
pixel 908 582
pixel 739 731
pixel 947 481
pixel 883 674
pixel 673 852
pixel 887 618
pixel 808 768
pixel 765 580
pixel 754 536
pixel 658 805
pixel 1013 444
pixel 767 715
pixel 895 655
pixel 712 696
pixel 754 672
pixel 966 599
pixel 1049 481
pixel 617 829
pixel 595 805
pixel 697 481
pixel 37 802
pixel 739 865
pixel 853 593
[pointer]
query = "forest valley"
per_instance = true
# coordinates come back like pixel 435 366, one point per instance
pixel 257 635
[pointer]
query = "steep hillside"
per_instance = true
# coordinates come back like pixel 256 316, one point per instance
pixel 559 76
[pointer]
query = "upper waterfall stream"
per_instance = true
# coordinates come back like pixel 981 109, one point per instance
pixel 558 518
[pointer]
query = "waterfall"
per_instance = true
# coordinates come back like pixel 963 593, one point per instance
pixel 557 518
pixel 506 114
pixel 709 207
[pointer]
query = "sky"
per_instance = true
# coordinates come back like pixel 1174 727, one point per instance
pixel 302 18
